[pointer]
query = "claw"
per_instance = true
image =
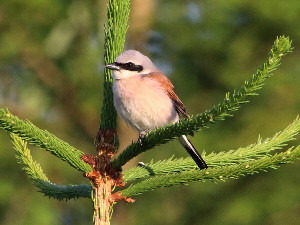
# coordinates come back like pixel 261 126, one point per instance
pixel 140 141
pixel 141 137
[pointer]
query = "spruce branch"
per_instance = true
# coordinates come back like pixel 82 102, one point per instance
pixel 29 132
pixel 115 31
pixel 40 180
pixel 258 150
pixel 214 174
pixel 231 102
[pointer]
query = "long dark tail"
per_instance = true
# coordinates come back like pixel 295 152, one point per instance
pixel 192 151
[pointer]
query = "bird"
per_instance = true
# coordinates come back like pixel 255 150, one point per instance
pixel 145 98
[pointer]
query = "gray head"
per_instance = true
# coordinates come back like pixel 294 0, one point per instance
pixel 131 63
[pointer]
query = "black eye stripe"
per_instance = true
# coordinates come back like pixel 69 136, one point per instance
pixel 129 66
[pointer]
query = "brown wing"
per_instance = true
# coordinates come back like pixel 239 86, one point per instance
pixel 168 86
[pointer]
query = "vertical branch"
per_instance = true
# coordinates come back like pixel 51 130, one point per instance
pixel 115 31
pixel 103 176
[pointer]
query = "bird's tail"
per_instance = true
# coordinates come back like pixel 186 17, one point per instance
pixel 192 151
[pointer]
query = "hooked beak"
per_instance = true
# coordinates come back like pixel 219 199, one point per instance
pixel 112 66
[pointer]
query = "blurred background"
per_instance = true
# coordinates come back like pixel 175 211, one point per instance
pixel 51 72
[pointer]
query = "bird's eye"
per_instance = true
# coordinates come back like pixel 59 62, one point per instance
pixel 130 65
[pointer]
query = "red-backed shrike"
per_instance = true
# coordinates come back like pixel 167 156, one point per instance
pixel 144 97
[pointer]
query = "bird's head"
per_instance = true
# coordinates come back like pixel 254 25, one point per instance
pixel 131 63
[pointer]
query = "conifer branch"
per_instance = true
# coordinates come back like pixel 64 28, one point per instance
pixel 28 132
pixel 231 102
pixel 40 180
pixel 214 174
pixel 115 31
pixel 64 192
pixel 254 151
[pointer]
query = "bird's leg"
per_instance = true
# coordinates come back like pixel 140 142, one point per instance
pixel 142 136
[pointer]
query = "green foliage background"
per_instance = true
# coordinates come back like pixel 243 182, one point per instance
pixel 51 72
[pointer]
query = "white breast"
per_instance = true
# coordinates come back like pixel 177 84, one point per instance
pixel 143 104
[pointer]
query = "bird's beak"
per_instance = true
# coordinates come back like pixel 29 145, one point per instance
pixel 112 66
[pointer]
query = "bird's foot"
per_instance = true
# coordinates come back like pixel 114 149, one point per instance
pixel 141 137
